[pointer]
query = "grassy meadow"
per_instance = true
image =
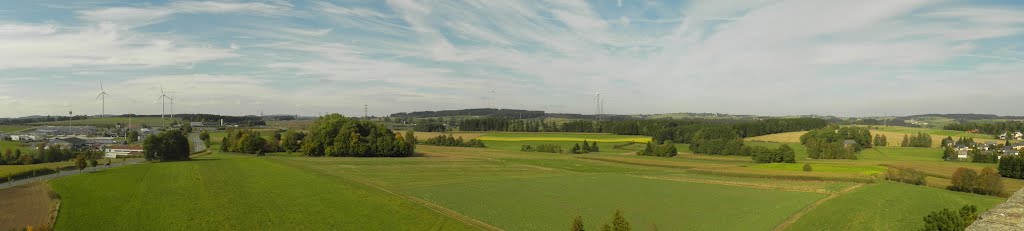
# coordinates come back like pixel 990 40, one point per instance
pixel 502 188
pixel 14 127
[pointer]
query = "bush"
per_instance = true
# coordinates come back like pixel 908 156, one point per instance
pixel 807 167
pixel 167 146
pixel 783 154
pixel 967 180
pixel 946 219
pixel 335 135
pixel 549 148
pixel 451 141
pixel 905 175
pixel 665 149
pixel 577 224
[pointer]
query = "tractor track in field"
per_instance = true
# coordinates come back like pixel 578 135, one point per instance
pixel 796 216
pixel 737 184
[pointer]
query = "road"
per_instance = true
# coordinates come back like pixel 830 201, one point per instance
pixel 67 173
pixel 198 145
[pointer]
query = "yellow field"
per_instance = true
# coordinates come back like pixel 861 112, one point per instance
pixel 576 139
pixel 464 135
pixel 894 138
pixel 788 137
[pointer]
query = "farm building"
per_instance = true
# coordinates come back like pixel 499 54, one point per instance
pixel 67 143
pixel 122 151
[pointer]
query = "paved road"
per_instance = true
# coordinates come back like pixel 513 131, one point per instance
pixel 198 145
pixel 67 173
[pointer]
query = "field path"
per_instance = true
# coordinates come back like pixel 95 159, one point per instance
pixel 796 216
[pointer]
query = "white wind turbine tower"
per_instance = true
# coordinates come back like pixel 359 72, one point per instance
pixel 103 97
pixel 163 101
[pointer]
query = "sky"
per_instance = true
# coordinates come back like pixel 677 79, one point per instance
pixel 788 57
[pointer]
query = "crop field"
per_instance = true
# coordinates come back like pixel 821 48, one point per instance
pixel 894 134
pixel 6 170
pixel 600 138
pixel 12 145
pixel 232 192
pixel 887 206
pixel 112 121
pixel 500 187
pixel 14 128
pixel 866 170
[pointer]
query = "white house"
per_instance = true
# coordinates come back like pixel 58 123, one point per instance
pixel 1016 136
pixel 24 138
pixel 122 151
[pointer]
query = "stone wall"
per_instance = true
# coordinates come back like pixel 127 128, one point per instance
pixel 1006 216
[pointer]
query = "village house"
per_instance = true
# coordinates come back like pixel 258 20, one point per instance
pixel 119 151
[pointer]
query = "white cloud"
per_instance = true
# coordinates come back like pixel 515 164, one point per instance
pixel 103 44
pixel 144 16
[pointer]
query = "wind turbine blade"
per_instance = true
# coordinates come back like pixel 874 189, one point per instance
pixel 98 96
pixel 101 88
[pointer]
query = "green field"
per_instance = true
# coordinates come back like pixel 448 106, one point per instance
pixel 866 170
pixel 14 128
pixel 887 206
pixel 233 192
pixel 563 137
pixel 6 170
pixel 931 131
pixel 499 187
pixel 112 121
pixel 12 145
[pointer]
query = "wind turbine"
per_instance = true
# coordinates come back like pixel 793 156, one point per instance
pixel 103 96
pixel 163 101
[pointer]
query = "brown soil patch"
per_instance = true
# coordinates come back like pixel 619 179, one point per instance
pixel 28 205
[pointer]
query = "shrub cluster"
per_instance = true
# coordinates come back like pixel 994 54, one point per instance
pixel 665 149
pixel 586 148
pixel 827 143
pixel 550 148
pixel 717 140
pixel 905 175
pixel 618 223
pixel 783 154
pixel 946 219
pixel 246 141
pixel 167 146
pixel 967 180
pixel 451 141
pixel 42 155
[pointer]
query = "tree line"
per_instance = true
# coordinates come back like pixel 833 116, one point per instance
pixel 451 141
pixel 834 142
pixel 335 135
pixel 665 149
pixel 618 223
pixel 782 154
pixel 549 148
pixel 678 130
pixel 988 182
pixel 905 175
pixel 920 140
pixel 993 128
pixel 42 155
pixel 1012 167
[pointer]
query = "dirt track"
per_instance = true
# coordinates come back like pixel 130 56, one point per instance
pixel 27 205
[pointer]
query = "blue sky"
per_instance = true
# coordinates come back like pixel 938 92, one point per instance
pixel 848 58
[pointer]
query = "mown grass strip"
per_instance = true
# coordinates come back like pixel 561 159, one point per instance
pixel 784 177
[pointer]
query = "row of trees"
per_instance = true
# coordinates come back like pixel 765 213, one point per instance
pixel 665 149
pixel 429 127
pixel 585 148
pixel 679 131
pixel 880 140
pixel 905 175
pixel 451 141
pixel 782 154
pixel 994 128
pixel 549 148
pixel 42 155
pixel 1012 167
pixel 921 140
pixel 171 145
pixel 967 180
pixel 618 223
pixel 335 135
